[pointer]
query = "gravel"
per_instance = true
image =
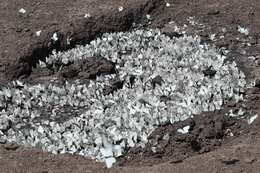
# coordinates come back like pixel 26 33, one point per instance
pixel 174 79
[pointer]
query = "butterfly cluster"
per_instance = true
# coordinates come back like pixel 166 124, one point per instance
pixel 165 80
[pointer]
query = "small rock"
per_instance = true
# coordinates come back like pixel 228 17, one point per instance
pixel 96 66
pixel 87 15
pixel 22 11
pixel 196 146
pixel 44 172
pixel 213 12
pixel 68 72
pixel 121 8
pixel 168 4
pixel 249 159
pixel 257 83
pixel 11 146
pixel 177 160
pixel 230 161
pixel 38 33
pixel 19 30
pixel 173 34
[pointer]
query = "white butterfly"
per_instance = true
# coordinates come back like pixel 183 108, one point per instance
pixel 183 130
pixel 252 119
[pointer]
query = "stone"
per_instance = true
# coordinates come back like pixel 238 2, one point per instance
pixel 11 146
pixel 257 83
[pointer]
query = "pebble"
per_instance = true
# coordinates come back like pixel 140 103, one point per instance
pixel 23 11
pixel 183 130
pixel 121 8
pixel 11 146
pixel 250 159
pixel 87 15
pixel 257 83
pixel 38 33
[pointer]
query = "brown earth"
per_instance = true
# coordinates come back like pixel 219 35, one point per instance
pixel 208 147
pixel 21 48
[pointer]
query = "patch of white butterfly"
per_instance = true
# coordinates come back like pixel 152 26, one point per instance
pixel 113 123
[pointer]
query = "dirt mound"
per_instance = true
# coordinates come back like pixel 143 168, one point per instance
pixel 205 133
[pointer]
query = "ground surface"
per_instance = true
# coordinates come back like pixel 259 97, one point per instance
pixel 212 149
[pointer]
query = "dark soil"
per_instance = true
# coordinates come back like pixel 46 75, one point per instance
pixel 87 69
pixel 207 132
pixel 207 147
pixel 21 48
